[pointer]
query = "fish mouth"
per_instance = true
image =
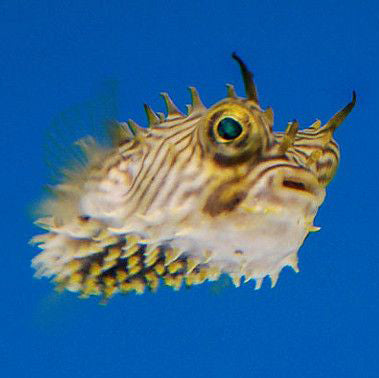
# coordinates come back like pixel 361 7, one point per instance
pixel 299 185
pixel 287 186
pixel 299 182
pixel 294 184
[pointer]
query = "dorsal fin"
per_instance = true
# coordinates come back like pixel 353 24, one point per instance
pixel 172 110
pixel 230 91
pixel 137 130
pixel 119 132
pixel 196 104
pixel 152 117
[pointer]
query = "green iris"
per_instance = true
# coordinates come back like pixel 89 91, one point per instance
pixel 229 128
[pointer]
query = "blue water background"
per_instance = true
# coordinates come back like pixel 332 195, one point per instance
pixel 307 56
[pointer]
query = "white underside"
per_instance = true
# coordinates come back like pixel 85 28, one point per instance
pixel 268 242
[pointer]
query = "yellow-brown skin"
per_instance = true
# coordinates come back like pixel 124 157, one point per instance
pixel 179 202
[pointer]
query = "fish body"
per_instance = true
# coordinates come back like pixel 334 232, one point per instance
pixel 188 198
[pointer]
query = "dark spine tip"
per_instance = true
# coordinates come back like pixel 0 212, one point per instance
pixel 237 58
pixel 251 91
pixel 354 99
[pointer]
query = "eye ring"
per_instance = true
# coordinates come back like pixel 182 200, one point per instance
pixel 228 129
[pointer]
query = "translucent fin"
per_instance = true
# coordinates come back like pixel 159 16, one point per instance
pixel 89 117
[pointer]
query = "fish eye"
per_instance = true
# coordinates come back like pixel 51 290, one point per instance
pixel 228 129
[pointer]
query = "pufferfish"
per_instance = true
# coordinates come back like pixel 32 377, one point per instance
pixel 188 198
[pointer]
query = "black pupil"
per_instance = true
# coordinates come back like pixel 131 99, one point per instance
pixel 229 128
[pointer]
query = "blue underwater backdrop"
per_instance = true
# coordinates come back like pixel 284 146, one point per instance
pixel 67 65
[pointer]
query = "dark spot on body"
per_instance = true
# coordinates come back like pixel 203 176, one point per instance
pixel 226 161
pixel 224 199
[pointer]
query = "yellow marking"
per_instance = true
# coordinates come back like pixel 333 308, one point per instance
pixel 315 125
pixel 171 255
pixel 314 228
pixel 151 250
pixel 159 268
pixel 128 251
pixel 203 274
pixel 153 280
pixel 175 266
pixel 154 285
pixel 75 279
pixel 313 158
pixel 168 280
pixel 259 209
pixel 150 276
pixel 197 279
pixel 151 257
pixel 109 291
pixel 133 261
pixel 109 240
pixel 85 248
pixel 113 253
pixel 109 281
pixel 134 270
pixel 73 266
pixel 138 285
pixel 103 234
pixel 125 287
pixel 192 263
pixel 60 280
pixel 271 210
pixel 95 269
pixel 121 275
pixel 90 287
pixel 177 282
pixel 250 209
pixel 190 279
pixel 151 260
pixel 108 264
